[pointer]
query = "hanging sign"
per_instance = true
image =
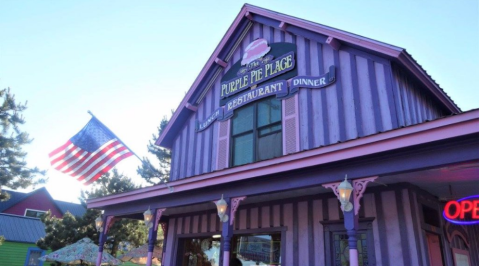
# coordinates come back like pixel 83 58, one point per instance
pixel 463 211
pixel 262 62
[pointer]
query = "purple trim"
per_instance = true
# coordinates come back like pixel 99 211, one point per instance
pixel 309 98
pixel 391 95
pixel 334 43
pixel 191 107
pixel 203 139
pixel 271 215
pixel 311 234
pixel 249 16
pixel 210 147
pixel 403 228
pixel 186 152
pixel 375 96
pixel 295 235
pixel 325 209
pixel 282 25
pixel 383 242
pixel 340 98
pixel 281 214
pixel 282 35
pixel 397 96
pixel 368 55
pixel 459 127
pixel 314 36
pixel 271 34
pixel 221 62
pixel 356 95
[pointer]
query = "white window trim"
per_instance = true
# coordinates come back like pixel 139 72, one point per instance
pixel 25 214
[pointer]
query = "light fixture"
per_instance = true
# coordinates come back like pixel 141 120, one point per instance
pixel 345 190
pixel 222 206
pixel 148 218
pixel 216 236
pixel 99 224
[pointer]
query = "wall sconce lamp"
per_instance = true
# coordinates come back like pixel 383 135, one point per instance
pixel 99 224
pixel 221 205
pixel 148 217
pixel 345 190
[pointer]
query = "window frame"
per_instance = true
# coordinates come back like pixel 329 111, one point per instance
pixel 255 131
pixel 337 226
pixel 29 252
pixel 27 209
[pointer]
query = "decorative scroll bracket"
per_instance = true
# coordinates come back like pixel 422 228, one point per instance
pixel 234 206
pixel 359 186
pixel 159 212
pixel 110 220
pixel 334 187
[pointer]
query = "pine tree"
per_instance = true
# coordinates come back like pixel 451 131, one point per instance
pixel 14 172
pixel 160 174
pixel 70 229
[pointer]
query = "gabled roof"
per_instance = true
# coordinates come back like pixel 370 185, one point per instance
pixel 17 197
pixel 297 26
pixel 20 228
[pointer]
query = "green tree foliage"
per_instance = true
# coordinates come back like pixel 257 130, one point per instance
pixel 14 172
pixel 161 173
pixel 70 229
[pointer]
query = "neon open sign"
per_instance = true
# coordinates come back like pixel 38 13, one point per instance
pixel 463 211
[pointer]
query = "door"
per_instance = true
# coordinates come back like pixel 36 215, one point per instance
pixel 434 249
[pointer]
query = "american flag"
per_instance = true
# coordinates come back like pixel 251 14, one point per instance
pixel 90 153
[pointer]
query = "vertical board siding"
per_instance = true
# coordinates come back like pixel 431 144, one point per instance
pixel 413 243
pixel 348 96
pixel 370 211
pixel 303 235
pixel 370 95
pixel 415 106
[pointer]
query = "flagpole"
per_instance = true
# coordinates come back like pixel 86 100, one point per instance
pixel 111 132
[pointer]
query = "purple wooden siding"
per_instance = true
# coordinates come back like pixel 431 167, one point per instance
pixel 396 228
pixel 413 105
pixel 369 96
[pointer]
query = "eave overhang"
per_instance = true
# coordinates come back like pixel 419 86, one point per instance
pixel 438 130
pixel 335 38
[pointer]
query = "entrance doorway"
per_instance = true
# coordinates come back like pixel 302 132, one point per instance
pixel 434 249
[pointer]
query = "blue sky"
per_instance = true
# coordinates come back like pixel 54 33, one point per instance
pixel 131 62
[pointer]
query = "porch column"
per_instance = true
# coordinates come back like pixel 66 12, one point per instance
pixel 152 235
pixel 226 234
pixel 107 222
pixel 351 225
pixel 351 217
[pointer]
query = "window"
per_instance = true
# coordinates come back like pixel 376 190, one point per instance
pixel 198 251
pixel 256 132
pixel 261 249
pixel 33 255
pixel 34 213
pixel 337 246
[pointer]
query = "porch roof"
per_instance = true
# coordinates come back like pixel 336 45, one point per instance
pixel 441 130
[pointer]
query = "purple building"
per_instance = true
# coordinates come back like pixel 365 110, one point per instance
pixel 284 109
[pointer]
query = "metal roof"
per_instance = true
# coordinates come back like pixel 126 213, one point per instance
pixel 16 197
pixel 73 208
pixel 20 228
